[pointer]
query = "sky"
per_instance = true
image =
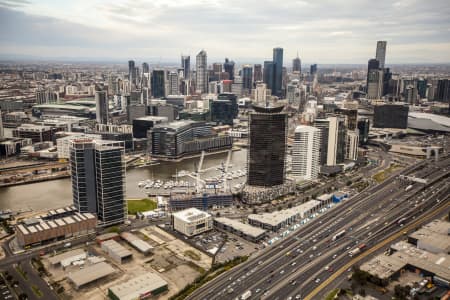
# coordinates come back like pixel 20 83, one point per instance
pixel 321 31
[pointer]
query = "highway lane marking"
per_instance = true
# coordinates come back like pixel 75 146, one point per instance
pixel 371 250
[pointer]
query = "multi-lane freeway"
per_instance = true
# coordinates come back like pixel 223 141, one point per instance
pixel 297 267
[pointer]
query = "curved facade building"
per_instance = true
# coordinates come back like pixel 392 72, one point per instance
pixel 267 146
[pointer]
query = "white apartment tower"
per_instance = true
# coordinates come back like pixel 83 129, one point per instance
pixel 305 153
pixel 201 72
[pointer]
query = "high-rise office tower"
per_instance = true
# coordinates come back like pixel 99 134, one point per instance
pixel 267 146
pixel 305 152
pixel 278 72
pixel 381 53
pixel 297 64
pixel 352 144
pixel 257 73
pixel 201 72
pixel 145 68
pixel 132 72
pixel 228 66
pixel 261 94
pixel 158 83
pixel 269 74
pixel 313 69
pixel 217 69
pixel 98 179
pixel 173 83
pixel 186 66
pixel 247 77
pixel 101 107
pixel 333 138
pixel 375 84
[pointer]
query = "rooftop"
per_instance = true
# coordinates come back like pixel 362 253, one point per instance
pixel 90 273
pixel 242 227
pixel 191 214
pixel 117 248
pixel 138 286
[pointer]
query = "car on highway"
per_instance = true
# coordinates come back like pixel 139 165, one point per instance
pixel 317 280
pixel 282 272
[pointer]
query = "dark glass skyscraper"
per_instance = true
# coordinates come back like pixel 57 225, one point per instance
pixel 186 66
pixel 158 83
pixel 228 66
pixel 257 73
pixel 267 146
pixel 313 69
pixel 131 71
pixel 98 179
pixel 145 68
pixel 247 77
pixel 269 70
pixel 297 64
pixel 278 74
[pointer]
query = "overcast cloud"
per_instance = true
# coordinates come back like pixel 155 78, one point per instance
pixel 322 31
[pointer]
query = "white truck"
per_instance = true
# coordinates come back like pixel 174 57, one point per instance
pixel 247 294
pixel 408 187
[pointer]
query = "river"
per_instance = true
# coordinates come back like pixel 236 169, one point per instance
pixel 57 193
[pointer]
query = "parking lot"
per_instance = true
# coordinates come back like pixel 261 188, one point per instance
pixel 5 293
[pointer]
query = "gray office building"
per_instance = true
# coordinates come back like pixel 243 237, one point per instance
pixel 98 179
pixel 101 107
pixel 278 71
pixel 381 53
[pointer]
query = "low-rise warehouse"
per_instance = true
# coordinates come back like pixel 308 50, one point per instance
pixel 246 231
pixel 66 258
pixel 433 237
pixel 38 231
pixel 406 256
pixel 116 251
pixel 106 237
pixel 136 242
pixel 192 221
pixel 279 219
pixel 141 287
pixel 90 274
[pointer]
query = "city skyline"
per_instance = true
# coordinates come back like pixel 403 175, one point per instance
pixel 157 31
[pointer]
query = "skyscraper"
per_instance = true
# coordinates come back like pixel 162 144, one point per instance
pixel 375 84
pixel 313 69
pixel 186 66
pixel 247 77
pixel 98 179
pixel 269 77
pixel 267 146
pixel 305 152
pixel 131 71
pixel 158 83
pixel 101 107
pixel 228 66
pixel 333 138
pixel 381 53
pixel 145 68
pixel 201 72
pixel 278 71
pixel 173 83
pixel 297 64
pixel 257 73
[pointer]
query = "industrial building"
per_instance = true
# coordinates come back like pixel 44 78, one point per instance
pixel 276 220
pixel 433 237
pixel 192 221
pixel 406 256
pixel 106 237
pixel 39 231
pixel 142 287
pixel 90 274
pixel 116 251
pixel 66 258
pixel 199 201
pixel 136 242
pixel 248 232
pixel 267 146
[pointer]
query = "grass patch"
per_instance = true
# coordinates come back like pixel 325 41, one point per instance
pixel 215 271
pixel 192 255
pixel 383 175
pixel 135 206
pixel 332 294
pixel 21 272
pixel 36 291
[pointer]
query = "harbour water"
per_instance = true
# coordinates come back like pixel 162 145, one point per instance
pixel 57 193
